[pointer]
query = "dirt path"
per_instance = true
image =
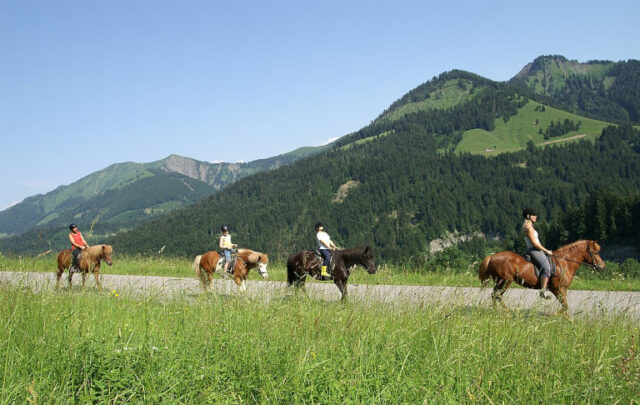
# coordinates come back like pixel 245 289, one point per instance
pixel 563 139
pixel 580 302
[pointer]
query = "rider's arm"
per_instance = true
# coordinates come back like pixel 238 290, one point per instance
pixel 86 245
pixel 534 240
pixel 220 243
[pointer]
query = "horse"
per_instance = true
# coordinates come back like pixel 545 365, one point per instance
pixel 88 258
pixel 211 262
pixel 306 262
pixel 507 267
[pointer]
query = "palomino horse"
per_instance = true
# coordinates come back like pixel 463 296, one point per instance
pixel 247 259
pixel 506 267
pixel 305 262
pixel 90 257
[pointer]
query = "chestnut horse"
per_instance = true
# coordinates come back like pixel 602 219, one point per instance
pixel 506 267
pixel 306 262
pixel 211 262
pixel 88 258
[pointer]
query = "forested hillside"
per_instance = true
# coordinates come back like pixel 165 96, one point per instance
pixel 118 184
pixel 601 89
pixel 398 183
pixel 401 195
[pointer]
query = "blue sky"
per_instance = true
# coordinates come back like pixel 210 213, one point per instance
pixel 84 84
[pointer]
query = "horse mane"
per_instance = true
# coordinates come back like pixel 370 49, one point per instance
pixel 573 247
pixel 97 251
pixel 253 257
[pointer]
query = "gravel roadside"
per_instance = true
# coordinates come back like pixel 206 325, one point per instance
pixel 580 302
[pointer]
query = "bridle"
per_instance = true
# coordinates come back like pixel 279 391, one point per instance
pixel 591 255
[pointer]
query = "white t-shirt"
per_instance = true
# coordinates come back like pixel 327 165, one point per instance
pixel 225 242
pixel 324 237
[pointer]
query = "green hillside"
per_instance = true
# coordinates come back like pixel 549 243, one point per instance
pixel 67 202
pixel 529 124
pixel 600 89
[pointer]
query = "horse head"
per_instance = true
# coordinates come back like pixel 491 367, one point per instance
pixel 262 266
pixel 369 260
pixel 254 259
pixel 593 249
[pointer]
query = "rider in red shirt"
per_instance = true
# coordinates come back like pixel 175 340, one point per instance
pixel 78 244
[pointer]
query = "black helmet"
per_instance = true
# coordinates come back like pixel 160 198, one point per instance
pixel 224 228
pixel 528 212
pixel 72 226
pixel 318 225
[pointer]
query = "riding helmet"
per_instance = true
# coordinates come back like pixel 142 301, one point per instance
pixel 528 212
pixel 72 226
pixel 224 228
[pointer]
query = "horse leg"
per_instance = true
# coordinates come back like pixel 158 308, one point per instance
pixel 498 290
pixel 342 286
pixel 84 278
pixel 561 295
pixel 59 276
pixel 209 279
pixel 96 274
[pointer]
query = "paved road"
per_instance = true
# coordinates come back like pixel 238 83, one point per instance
pixel 580 302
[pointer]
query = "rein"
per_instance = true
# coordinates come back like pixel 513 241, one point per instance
pixel 576 261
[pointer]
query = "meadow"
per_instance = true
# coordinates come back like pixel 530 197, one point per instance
pixel 112 348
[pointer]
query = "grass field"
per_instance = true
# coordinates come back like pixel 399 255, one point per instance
pixel 521 128
pixel 615 279
pixel 107 348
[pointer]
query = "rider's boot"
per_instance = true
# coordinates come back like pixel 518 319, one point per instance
pixel 543 288
pixel 323 272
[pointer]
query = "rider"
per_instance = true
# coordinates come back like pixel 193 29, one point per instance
pixel 78 244
pixel 535 248
pixel 326 244
pixel 226 246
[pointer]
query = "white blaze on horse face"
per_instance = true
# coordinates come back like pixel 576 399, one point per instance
pixel 262 269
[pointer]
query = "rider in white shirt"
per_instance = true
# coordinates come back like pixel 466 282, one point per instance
pixel 326 245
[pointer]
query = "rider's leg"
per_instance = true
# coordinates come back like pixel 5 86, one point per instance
pixel 227 258
pixel 74 260
pixel 545 271
pixel 326 258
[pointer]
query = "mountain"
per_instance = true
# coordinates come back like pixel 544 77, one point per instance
pixel 604 90
pixel 408 178
pixel 135 192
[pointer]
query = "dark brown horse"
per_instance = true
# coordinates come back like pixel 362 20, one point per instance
pixel 306 262
pixel 89 258
pixel 211 262
pixel 506 267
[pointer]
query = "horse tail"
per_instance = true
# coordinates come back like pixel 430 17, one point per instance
pixel 196 266
pixel 483 271
pixel 292 274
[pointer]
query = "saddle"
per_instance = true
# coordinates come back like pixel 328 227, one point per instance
pixel 331 265
pixel 537 268
pixel 222 261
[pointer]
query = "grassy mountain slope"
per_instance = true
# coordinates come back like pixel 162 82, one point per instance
pixel 525 126
pixel 68 202
pixel 601 89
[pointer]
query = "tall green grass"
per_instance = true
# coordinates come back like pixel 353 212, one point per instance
pixel 108 348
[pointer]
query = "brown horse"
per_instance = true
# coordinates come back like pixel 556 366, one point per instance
pixel 506 267
pixel 88 258
pixel 306 262
pixel 211 262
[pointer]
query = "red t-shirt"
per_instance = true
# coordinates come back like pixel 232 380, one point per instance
pixel 77 238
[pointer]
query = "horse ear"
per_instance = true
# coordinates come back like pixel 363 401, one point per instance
pixel 367 249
